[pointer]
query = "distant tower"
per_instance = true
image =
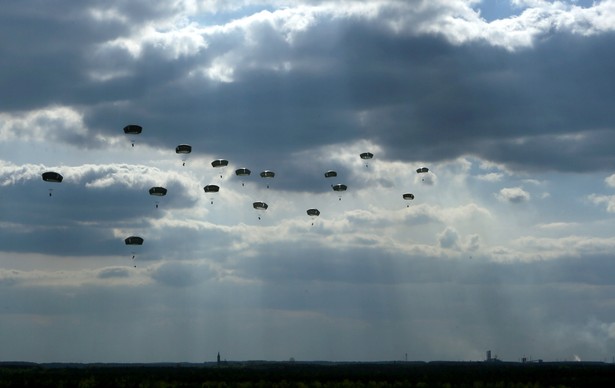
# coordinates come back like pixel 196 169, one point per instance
pixel 218 358
pixel 488 355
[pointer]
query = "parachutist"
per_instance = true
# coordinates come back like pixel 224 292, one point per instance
pixel 156 206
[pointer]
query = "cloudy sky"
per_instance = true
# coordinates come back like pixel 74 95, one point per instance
pixel 507 246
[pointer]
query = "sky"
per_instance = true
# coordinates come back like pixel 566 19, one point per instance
pixel 507 245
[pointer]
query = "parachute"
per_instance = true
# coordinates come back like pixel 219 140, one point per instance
pixel 133 241
pixel 260 206
pixel 366 156
pixel 408 197
pixel 267 174
pixel 133 129
pixel 339 188
pixel 242 172
pixel 422 170
pixel 211 189
pixel 330 174
pixel 313 213
pixel 53 177
pixel 158 192
pixel 184 150
pixel 219 163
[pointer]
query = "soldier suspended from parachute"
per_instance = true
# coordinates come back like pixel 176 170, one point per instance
pixel 183 150
pixel 219 163
pixel 268 174
pixel 242 173
pixel 366 156
pixel 52 177
pixel 133 242
pixel 260 206
pixel 211 189
pixel 408 197
pixel 339 188
pixel 157 192
pixel 422 170
pixel 132 130
pixel 313 213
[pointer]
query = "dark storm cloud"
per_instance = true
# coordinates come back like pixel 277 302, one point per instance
pixel 421 98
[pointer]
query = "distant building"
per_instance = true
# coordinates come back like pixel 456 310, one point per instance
pixel 489 358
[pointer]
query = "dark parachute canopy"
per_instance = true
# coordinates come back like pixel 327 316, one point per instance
pixel 260 205
pixel 52 176
pixel 183 149
pixel 158 191
pixel 330 174
pixel 133 129
pixel 267 174
pixel 133 240
pixel 219 163
pixel 313 212
pixel 211 188
pixel 339 187
pixel 243 172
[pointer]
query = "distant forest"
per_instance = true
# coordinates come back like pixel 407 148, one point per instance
pixel 311 374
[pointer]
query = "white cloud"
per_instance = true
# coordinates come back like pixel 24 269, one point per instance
pixel 513 195
pixel 608 200
pixel 490 177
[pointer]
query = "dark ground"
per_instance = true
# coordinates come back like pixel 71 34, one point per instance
pixel 311 374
